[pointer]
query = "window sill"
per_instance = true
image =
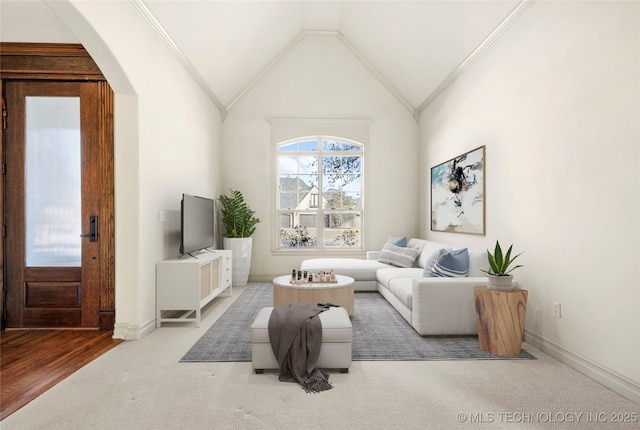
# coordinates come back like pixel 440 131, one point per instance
pixel 347 253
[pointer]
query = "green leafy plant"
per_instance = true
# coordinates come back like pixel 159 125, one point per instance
pixel 238 219
pixel 500 262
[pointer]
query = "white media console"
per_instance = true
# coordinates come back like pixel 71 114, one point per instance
pixel 185 285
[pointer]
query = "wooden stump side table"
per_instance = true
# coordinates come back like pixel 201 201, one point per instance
pixel 500 318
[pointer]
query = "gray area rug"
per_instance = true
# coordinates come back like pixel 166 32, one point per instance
pixel 379 333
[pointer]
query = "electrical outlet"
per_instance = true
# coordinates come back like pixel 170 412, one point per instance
pixel 556 310
pixel 163 216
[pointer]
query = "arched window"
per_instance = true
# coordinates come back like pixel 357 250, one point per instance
pixel 320 193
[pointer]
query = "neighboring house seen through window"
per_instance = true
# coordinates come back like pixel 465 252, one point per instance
pixel 320 189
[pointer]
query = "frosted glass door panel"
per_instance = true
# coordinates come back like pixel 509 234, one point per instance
pixel 53 170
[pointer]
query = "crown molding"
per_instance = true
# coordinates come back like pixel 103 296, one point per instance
pixel 516 13
pixel 177 52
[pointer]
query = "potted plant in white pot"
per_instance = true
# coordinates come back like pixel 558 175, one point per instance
pixel 499 274
pixel 239 224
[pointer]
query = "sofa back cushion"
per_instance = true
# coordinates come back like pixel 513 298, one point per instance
pixel 430 251
pixel 432 262
pixel 427 249
pixel 477 260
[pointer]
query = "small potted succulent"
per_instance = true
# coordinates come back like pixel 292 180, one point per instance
pixel 499 274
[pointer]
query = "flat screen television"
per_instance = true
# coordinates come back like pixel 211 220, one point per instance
pixel 196 223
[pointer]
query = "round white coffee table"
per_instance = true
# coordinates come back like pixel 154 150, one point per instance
pixel 338 293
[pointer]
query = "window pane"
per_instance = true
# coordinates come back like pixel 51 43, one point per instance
pixel 340 164
pixel 307 220
pixel 309 145
pixel 309 165
pixel 336 145
pixel 331 164
pixel 352 201
pixel 298 237
pixel 351 164
pixel 332 200
pixel 286 220
pixel 294 164
pixel 342 230
pixel 332 183
pixel 342 201
pixel 53 169
pixel 296 192
pixel 305 195
pixel 288 164
pixel 290 183
pixel 352 183
pixel 288 200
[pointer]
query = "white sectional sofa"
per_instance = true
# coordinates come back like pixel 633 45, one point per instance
pixel 432 305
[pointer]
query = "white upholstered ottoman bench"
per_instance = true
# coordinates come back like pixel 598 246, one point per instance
pixel 335 351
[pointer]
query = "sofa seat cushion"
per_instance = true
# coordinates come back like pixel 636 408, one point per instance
pixel 358 269
pixel 385 276
pixel 402 288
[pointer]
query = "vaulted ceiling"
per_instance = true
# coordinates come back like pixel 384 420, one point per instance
pixel 413 47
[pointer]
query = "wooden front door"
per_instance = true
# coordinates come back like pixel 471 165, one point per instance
pixel 50 197
pixel 58 204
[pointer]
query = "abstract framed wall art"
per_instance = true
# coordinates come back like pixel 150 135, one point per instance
pixel 457 194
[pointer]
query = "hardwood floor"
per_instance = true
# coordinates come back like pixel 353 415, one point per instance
pixel 32 361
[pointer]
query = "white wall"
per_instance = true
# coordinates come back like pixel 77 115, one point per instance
pixel 178 140
pixel 167 141
pixel 556 102
pixel 320 78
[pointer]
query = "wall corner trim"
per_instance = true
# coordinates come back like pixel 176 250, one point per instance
pixel 131 332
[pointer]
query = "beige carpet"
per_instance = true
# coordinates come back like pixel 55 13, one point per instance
pixel 141 385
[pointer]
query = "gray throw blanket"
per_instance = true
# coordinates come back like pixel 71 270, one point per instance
pixel 295 333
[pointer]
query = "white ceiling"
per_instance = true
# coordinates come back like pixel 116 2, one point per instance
pixel 412 47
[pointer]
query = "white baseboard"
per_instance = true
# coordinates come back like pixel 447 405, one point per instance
pixel 610 379
pixel 129 332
